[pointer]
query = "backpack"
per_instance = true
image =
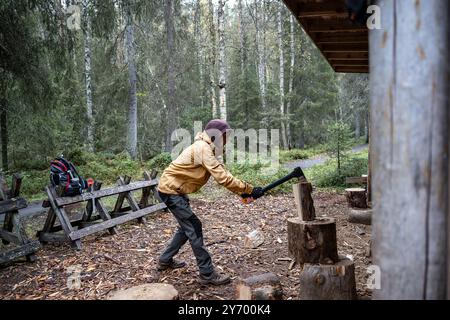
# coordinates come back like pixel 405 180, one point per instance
pixel 64 174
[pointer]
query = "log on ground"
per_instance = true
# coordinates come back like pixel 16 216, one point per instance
pixel 360 216
pixel 260 287
pixel 148 291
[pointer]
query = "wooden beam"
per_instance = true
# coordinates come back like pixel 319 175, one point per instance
pixel 332 25
pixel 347 56
pixel 351 69
pixel 63 201
pixel 78 234
pixel 342 37
pixel 24 250
pixel 350 63
pixel 409 88
pixel 12 205
pixel 321 9
pixel 344 47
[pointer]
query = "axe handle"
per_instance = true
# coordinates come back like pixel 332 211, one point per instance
pixel 280 181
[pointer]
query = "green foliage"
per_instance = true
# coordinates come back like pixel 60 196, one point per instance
pixel 300 154
pixel 339 142
pixel 160 162
pixel 326 175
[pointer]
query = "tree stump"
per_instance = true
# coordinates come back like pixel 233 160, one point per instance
pixel 304 201
pixel 356 198
pixel 261 287
pixel 313 241
pixel 148 291
pixel 360 216
pixel 328 282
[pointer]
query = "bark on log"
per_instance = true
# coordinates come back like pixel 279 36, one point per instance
pixel 313 241
pixel 356 198
pixel 360 216
pixel 303 201
pixel 149 291
pixel 261 287
pixel 328 282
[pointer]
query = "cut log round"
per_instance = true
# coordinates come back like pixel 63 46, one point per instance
pixel 328 282
pixel 261 287
pixel 148 291
pixel 356 197
pixel 313 241
pixel 360 216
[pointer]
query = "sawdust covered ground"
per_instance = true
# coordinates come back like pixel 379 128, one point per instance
pixel 115 262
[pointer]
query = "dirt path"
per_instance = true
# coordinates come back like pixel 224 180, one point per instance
pixel 129 258
pixel 320 159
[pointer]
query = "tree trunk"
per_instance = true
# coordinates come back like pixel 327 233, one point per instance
pixel 409 88
pixel 312 241
pixel 357 125
pixel 199 45
pixel 87 74
pixel 132 108
pixel 281 76
pixel 241 36
pixel 171 108
pixel 328 282
pixel 260 20
pixel 291 78
pixel 212 59
pixel 4 133
pixel 222 62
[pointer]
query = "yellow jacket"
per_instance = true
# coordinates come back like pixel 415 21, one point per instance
pixel 193 167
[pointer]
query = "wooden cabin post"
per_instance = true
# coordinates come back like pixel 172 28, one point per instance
pixel 409 66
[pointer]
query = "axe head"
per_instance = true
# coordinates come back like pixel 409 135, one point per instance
pixel 298 173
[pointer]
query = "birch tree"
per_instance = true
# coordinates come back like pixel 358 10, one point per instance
pixel 291 78
pixel 170 113
pixel 281 76
pixel 198 36
pixel 241 35
pixel 87 74
pixel 132 108
pixel 212 58
pixel 222 62
pixel 260 25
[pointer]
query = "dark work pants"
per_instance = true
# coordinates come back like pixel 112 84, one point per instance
pixel 190 228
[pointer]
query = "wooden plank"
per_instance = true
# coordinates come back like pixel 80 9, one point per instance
pixel 344 47
pixel 132 202
pixel 346 63
pixel 16 183
pixel 12 205
pixel 89 209
pixel 63 201
pixel 321 9
pixel 351 69
pixel 24 250
pixel 409 88
pixel 121 196
pixel 9 237
pixel 53 237
pixel 78 234
pixel 4 191
pixel 351 56
pixel 145 192
pixel 342 37
pixel 62 216
pixel 102 211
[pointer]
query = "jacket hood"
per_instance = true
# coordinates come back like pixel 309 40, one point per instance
pixel 204 137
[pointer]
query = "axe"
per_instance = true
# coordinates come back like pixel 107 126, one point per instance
pixel 296 173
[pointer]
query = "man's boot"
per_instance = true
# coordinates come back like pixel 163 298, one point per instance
pixel 214 278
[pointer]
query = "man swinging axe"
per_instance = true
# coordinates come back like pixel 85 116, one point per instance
pixel 187 174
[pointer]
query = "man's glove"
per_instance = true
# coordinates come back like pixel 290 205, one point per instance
pixel 256 193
